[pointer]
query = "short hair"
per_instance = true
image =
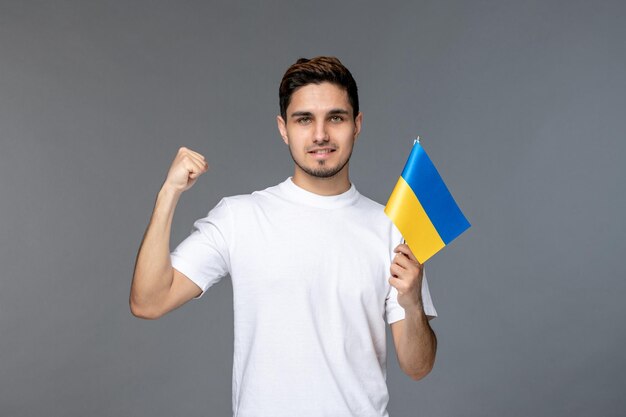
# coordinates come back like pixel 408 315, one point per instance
pixel 316 71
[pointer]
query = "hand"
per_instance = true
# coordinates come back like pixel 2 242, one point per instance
pixel 185 170
pixel 406 277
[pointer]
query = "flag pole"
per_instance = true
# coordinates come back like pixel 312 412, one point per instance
pixel 416 140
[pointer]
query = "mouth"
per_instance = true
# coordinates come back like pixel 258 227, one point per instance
pixel 321 153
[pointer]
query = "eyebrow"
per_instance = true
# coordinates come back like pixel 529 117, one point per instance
pixel 301 113
pixel 309 114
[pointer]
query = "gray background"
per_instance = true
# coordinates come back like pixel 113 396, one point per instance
pixel 521 105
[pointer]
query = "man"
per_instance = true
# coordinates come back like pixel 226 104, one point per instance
pixel 316 267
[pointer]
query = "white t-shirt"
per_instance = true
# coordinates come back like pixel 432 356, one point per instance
pixel 310 293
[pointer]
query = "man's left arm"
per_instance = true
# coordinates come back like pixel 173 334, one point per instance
pixel 415 341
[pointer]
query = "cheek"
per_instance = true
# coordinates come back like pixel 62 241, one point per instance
pixel 346 131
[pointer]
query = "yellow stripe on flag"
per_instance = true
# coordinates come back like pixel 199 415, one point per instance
pixel 405 210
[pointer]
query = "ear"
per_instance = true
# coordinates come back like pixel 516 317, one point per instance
pixel 282 128
pixel 358 121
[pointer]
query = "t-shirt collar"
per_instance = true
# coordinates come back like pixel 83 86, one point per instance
pixel 300 195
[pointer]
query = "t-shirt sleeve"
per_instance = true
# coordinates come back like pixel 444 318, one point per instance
pixel 203 256
pixel 394 310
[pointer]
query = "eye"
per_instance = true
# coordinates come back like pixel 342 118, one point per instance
pixel 303 120
pixel 336 119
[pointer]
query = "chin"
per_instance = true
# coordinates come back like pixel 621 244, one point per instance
pixel 323 171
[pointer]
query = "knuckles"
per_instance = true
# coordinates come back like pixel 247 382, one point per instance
pixel 413 270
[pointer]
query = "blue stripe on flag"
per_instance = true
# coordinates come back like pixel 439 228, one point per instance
pixel 423 178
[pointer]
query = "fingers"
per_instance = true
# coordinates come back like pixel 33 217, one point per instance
pixel 406 276
pixel 396 270
pixel 404 261
pixel 193 162
pixel 194 153
pixel 194 157
pixel 406 251
pixel 196 168
pixel 187 166
pixel 401 261
pixel 400 285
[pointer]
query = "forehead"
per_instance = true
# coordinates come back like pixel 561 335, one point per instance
pixel 319 98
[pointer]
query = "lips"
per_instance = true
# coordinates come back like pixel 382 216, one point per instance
pixel 321 151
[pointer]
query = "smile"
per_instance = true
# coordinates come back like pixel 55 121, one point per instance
pixel 321 153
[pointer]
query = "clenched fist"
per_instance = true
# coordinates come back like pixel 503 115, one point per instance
pixel 185 170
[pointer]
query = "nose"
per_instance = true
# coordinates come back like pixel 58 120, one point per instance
pixel 320 134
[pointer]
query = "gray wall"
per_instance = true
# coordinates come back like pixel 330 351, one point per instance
pixel 521 105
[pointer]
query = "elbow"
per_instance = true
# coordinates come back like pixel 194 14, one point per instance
pixel 418 375
pixel 142 311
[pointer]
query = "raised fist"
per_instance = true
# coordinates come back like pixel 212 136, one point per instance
pixel 185 169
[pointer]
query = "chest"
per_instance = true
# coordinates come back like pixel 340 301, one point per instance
pixel 312 253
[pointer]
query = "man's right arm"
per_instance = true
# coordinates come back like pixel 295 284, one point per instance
pixel 157 288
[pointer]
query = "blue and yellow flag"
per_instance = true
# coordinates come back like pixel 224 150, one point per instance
pixel 423 209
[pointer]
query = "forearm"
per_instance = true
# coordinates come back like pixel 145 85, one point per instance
pixel 418 344
pixel 153 273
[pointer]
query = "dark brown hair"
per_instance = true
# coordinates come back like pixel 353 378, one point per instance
pixel 316 71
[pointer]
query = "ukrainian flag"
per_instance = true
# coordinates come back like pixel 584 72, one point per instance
pixel 423 209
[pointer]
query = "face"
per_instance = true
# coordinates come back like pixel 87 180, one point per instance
pixel 320 130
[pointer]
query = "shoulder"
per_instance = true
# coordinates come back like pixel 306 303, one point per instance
pixel 369 204
pixel 375 213
pixel 372 208
pixel 251 200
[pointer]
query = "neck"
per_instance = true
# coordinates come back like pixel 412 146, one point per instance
pixel 336 185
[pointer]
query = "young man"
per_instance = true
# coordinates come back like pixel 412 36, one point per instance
pixel 316 267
